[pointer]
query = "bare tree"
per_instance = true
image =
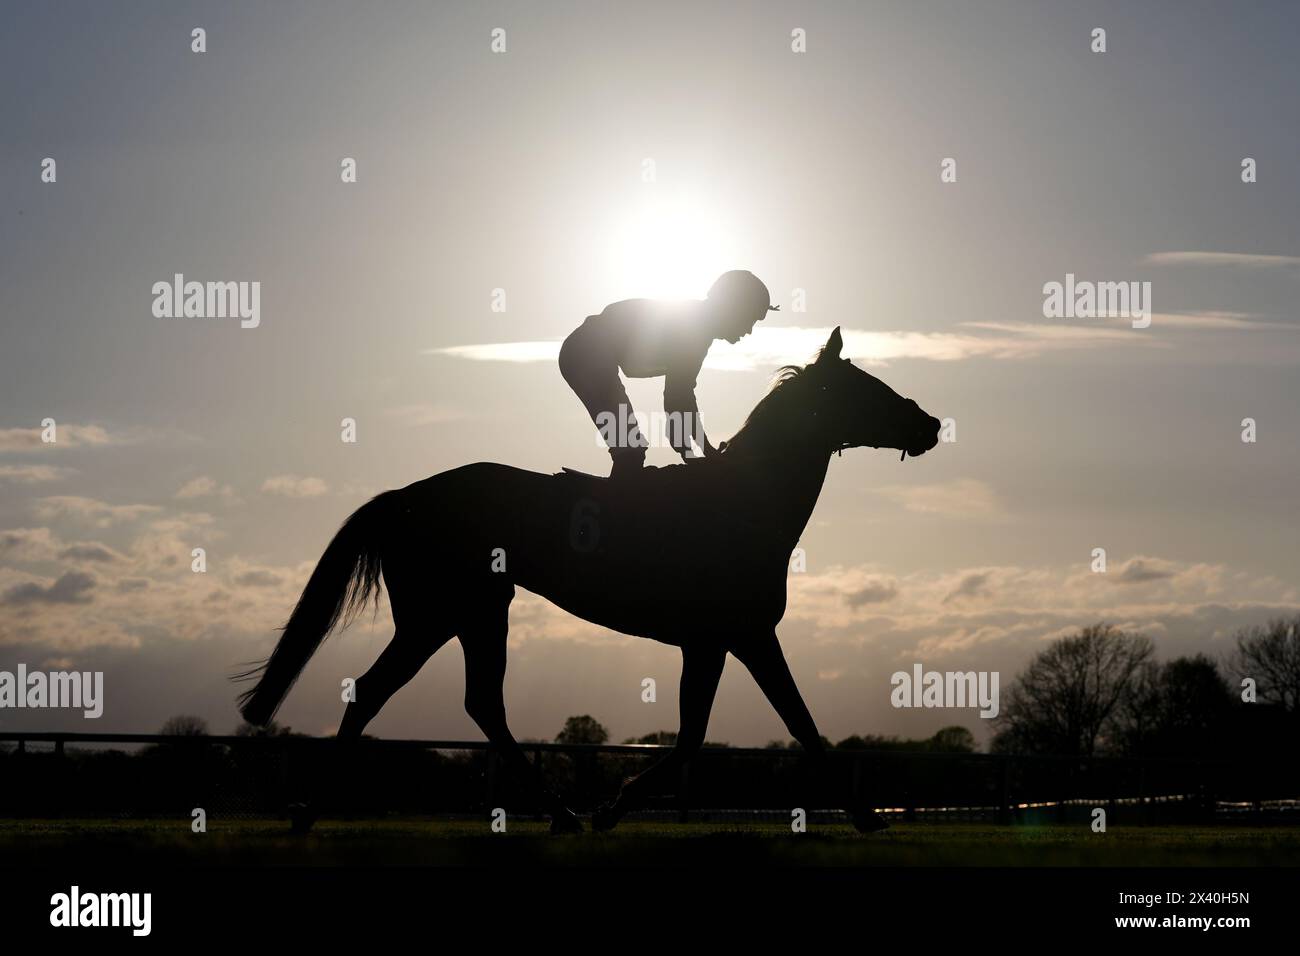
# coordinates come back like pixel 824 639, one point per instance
pixel 1064 700
pixel 1177 708
pixel 1271 655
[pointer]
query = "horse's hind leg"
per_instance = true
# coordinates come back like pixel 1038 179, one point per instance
pixel 420 634
pixel 400 661
pixel 484 643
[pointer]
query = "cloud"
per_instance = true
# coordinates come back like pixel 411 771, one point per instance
pixel 771 346
pixel 203 487
pixel 66 436
pixel 873 592
pixel 544 351
pixel 143 589
pixel 977 604
pixel 960 498
pixel 1211 320
pixel 28 544
pixel 970 586
pixel 291 486
pixel 90 510
pixel 1141 570
pixel 1236 260
pixel 258 578
pixel 90 551
pixel 418 416
pixel 72 587
pixel 32 474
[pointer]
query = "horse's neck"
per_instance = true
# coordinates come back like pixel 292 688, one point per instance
pixel 784 458
pixel 786 488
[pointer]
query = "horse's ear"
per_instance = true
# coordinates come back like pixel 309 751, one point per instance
pixel 831 351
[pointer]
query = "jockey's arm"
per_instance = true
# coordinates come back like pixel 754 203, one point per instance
pixel 684 411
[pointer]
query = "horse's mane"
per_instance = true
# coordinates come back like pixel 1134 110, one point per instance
pixel 786 379
pixel 782 377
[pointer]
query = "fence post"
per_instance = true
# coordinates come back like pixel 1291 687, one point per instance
pixel 1063 791
pixel 541 783
pixel 60 773
pixel 491 775
pixel 1142 793
pixel 683 794
pixel 1004 787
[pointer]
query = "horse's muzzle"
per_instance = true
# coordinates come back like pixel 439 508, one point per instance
pixel 923 439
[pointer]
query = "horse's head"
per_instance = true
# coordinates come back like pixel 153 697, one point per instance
pixel 855 408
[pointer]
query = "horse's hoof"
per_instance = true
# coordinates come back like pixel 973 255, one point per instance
pixel 868 821
pixel 604 819
pixel 301 818
pixel 565 821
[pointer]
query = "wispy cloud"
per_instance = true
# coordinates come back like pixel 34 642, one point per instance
pixel 540 351
pixel 770 346
pixel 90 510
pixel 420 415
pixel 66 436
pixel 33 474
pixel 1210 320
pixel 960 498
pixel 1236 260
pixel 204 487
pixel 292 486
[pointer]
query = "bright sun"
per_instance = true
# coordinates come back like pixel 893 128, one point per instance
pixel 669 249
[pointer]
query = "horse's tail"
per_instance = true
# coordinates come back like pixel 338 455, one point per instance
pixel 345 578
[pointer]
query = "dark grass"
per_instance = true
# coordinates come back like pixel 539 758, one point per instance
pixel 439 842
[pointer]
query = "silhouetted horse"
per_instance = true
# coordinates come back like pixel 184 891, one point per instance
pixel 692 555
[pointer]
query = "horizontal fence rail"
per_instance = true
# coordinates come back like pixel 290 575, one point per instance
pixel 58 773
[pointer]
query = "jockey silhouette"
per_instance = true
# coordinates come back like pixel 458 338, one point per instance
pixel 647 338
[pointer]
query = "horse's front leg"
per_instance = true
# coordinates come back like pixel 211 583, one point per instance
pixel 701 670
pixel 765 661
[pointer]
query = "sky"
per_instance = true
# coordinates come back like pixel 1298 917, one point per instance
pixel 613 151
